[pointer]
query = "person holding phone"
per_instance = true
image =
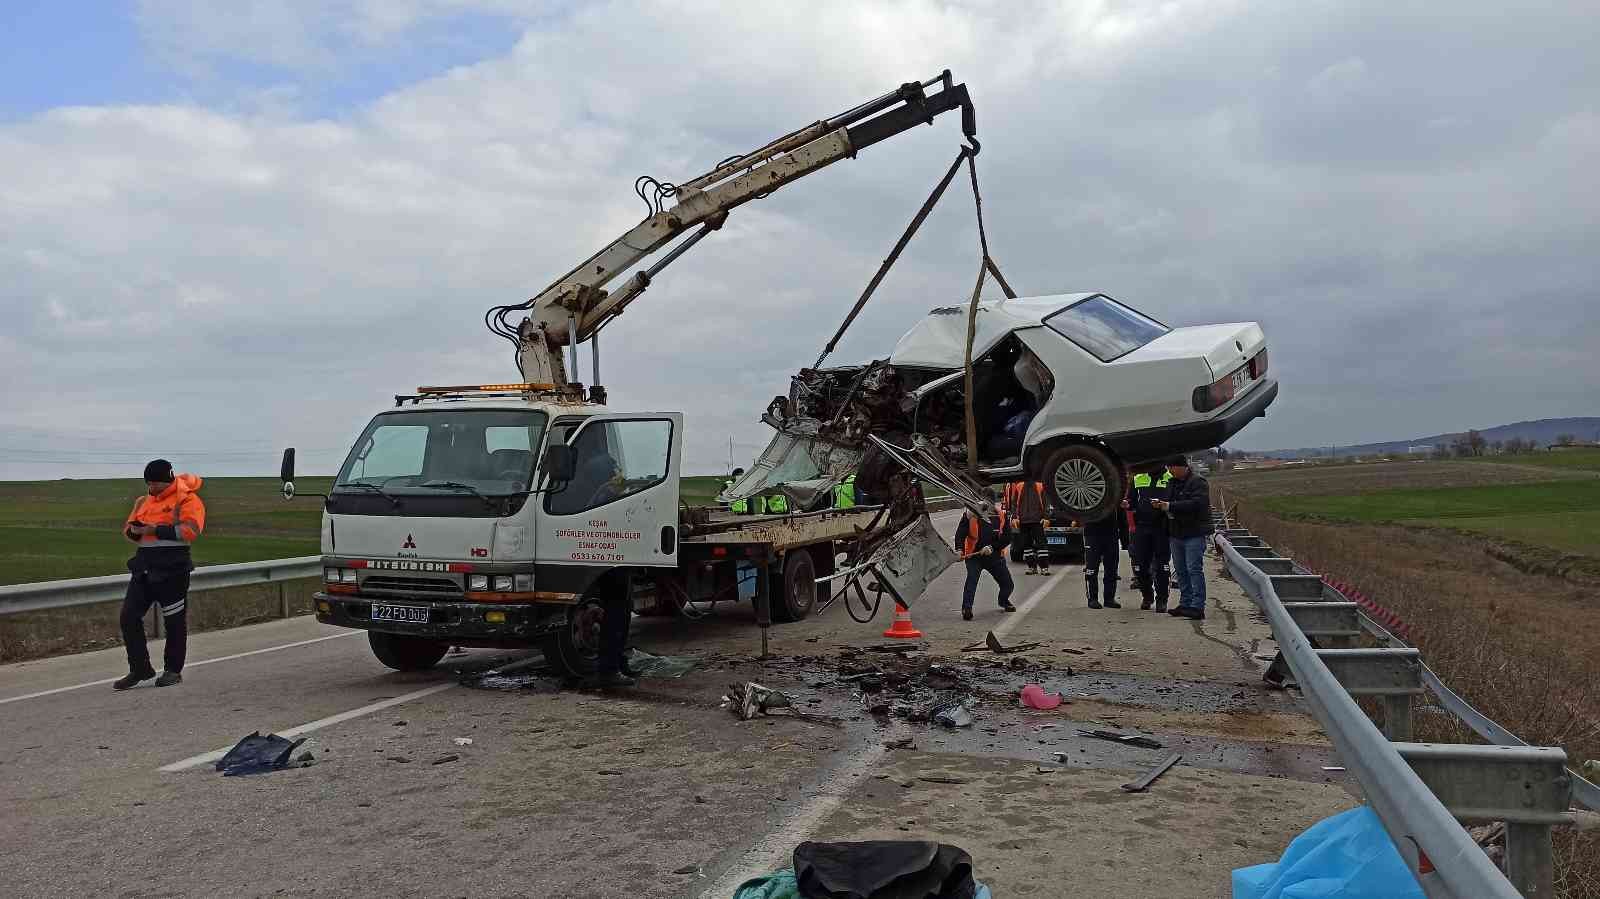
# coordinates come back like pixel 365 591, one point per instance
pixel 1188 510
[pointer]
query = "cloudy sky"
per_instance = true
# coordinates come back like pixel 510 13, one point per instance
pixel 230 227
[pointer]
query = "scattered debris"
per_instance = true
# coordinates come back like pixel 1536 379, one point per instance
pixel 902 743
pixel 256 754
pixel 1333 767
pixel 646 665
pixel 953 715
pixel 751 699
pixel 687 869
pixel 1034 697
pixel 991 643
pixel 1049 769
pixel 445 759
pixel 944 779
pixel 399 758
pixel 1126 739
pixel 463 741
pixel 400 723
pixel 1144 782
pixel 1076 652
pixel 609 772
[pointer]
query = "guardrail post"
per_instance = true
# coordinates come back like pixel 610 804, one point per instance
pixel 1397 718
pixel 1530 859
pixel 283 598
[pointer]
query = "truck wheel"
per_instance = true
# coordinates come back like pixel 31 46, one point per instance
pixel 1084 481
pixel 405 653
pixel 573 649
pixel 798 595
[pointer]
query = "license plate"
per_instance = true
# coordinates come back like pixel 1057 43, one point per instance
pixel 1056 541
pixel 1241 378
pixel 418 614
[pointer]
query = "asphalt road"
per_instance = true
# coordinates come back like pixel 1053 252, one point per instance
pixel 659 792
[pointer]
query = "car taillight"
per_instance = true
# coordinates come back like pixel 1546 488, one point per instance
pixel 1213 396
pixel 1258 365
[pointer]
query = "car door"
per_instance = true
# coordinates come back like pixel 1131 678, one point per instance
pixel 621 506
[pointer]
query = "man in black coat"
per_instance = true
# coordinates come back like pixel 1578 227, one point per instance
pixel 1188 508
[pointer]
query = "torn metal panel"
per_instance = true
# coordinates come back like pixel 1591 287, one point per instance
pixel 910 561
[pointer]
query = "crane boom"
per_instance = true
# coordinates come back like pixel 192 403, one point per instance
pixel 577 306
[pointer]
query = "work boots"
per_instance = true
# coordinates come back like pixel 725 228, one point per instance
pixel 1141 579
pixel 1032 560
pixel 1091 588
pixel 1163 588
pixel 133 677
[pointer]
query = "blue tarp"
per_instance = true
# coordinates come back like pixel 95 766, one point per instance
pixel 1348 856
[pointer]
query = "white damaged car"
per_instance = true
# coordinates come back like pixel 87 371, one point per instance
pixel 1068 389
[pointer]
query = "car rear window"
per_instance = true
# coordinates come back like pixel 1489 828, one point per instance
pixel 1105 327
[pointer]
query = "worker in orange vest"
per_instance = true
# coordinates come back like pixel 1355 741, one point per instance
pixel 981 540
pixel 1030 513
pixel 163 524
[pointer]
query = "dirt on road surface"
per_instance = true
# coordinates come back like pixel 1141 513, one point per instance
pixel 661 791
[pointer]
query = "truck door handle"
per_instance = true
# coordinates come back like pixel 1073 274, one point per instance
pixel 669 540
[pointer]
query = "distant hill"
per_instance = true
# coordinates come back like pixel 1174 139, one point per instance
pixel 1542 432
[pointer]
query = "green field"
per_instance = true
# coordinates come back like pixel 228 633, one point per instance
pixel 1564 515
pixel 1571 460
pixel 62 529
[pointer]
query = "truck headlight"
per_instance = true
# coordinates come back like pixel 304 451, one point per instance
pixel 478 582
pixel 347 575
pixel 331 575
pixel 502 583
pixel 524 583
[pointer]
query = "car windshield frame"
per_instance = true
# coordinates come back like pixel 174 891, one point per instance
pixel 443 459
pixel 1104 349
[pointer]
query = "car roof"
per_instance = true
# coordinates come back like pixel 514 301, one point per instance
pixel 939 340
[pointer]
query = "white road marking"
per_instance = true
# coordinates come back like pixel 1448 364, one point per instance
pixel 206 758
pixel 772 851
pixel 237 655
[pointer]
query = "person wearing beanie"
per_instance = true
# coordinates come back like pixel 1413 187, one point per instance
pixel 1188 509
pixel 163 524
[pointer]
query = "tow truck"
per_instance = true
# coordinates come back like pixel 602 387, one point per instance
pixel 502 515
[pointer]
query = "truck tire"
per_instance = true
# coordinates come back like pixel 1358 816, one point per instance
pixel 796 593
pixel 1083 480
pixel 573 648
pixel 406 653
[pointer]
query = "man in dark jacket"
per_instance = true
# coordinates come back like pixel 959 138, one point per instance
pixel 981 541
pixel 1102 544
pixel 1188 508
pixel 1149 545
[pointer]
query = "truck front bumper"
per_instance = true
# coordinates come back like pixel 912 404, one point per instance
pixel 462 623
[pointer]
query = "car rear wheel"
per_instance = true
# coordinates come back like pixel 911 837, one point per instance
pixel 1084 481
pixel 406 653
pixel 798 594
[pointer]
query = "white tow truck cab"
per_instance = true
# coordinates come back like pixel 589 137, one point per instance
pixel 504 515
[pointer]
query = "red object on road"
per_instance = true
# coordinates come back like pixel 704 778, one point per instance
pixel 902 626
pixel 1034 697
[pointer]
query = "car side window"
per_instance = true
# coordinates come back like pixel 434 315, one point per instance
pixel 615 459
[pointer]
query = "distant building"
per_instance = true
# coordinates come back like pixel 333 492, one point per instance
pixel 1420 449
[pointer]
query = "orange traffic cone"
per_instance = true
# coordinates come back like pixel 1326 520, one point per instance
pixel 902 626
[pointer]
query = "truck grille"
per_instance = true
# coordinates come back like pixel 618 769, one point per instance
pixel 425 586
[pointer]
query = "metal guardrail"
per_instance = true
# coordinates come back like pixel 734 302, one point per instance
pixel 84 591
pixel 1418 790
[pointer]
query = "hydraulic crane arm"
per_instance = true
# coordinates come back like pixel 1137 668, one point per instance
pixel 575 307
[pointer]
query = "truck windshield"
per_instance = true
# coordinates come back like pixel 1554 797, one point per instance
pixel 1105 327
pixel 439 450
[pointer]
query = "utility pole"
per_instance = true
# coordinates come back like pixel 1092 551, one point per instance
pixel 730 453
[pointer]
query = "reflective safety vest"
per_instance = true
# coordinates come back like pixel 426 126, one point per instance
pixel 844 493
pixel 739 506
pixel 777 504
pixel 1013 497
pixel 975 530
pixel 177 512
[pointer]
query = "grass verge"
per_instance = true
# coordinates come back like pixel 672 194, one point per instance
pixel 1521 648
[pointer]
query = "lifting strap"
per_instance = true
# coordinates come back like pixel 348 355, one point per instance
pixel 966 153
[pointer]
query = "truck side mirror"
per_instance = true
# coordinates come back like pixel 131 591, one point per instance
pixel 286 473
pixel 560 463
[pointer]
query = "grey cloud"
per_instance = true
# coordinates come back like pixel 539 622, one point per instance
pixel 1412 224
